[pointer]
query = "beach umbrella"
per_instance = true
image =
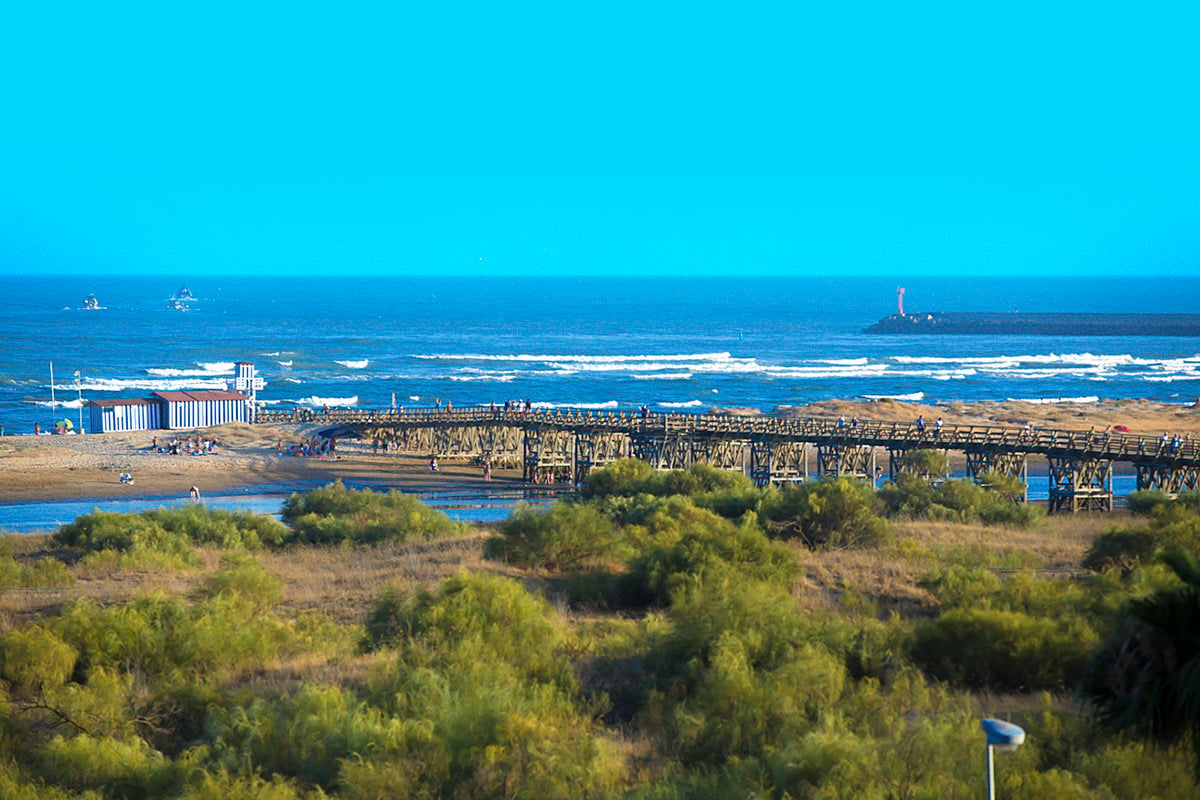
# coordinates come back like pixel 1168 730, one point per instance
pixel 66 423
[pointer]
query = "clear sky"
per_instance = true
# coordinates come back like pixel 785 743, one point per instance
pixel 781 138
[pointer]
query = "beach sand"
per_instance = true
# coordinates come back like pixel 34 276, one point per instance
pixel 88 467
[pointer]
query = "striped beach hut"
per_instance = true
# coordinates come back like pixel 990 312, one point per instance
pixel 139 414
pixel 202 409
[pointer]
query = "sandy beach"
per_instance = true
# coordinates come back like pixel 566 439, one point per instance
pixel 65 467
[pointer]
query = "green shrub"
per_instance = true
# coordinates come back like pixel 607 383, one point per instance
pixel 35 658
pixel 160 636
pixel 225 786
pixel 304 736
pixel 43 572
pixel 171 530
pixel 128 769
pixel 1003 650
pixel 713 545
pixel 1144 501
pixel 496 615
pixel 106 530
pixel 926 464
pixel 563 536
pixel 334 514
pixel 244 577
pixel 961 501
pixel 629 477
pixel 1118 547
pixel 828 513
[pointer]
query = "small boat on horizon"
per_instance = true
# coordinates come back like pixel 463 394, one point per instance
pixel 184 294
pixel 176 305
pixel 90 303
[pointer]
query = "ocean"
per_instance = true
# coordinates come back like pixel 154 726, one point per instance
pixel 601 343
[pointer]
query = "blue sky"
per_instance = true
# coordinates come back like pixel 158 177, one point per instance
pixel 614 138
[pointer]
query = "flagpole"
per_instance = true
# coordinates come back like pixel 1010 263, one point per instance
pixel 52 403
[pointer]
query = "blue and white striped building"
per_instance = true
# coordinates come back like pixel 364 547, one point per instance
pixel 140 414
pixel 203 409
pixel 171 410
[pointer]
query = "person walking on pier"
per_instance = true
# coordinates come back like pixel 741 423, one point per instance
pixel 921 424
pixel 937 428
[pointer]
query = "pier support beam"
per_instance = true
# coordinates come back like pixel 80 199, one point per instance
pixel 594 450
pixel 663 451
pixel 1012 464
pixel 1169 478
pixel 837 459
pixel 774 462
pixel 1080 484
pixel 548 456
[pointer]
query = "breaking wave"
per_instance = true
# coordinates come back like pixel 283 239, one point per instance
pixel 354 364
pixel 328 401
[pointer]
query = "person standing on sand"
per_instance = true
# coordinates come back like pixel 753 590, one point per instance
pixel 195 494
pixel 37 429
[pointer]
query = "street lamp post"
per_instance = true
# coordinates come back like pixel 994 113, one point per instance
pixel 79 396
pixel 1001 735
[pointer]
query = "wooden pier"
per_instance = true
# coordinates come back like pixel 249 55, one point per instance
pixel 563 445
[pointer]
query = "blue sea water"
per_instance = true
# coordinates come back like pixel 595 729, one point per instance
pixel 670 343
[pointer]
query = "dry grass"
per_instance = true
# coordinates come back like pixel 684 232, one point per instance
pixel 887 578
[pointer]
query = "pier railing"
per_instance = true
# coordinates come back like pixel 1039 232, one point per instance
pixel 1106 445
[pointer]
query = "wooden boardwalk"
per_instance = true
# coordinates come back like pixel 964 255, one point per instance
pixel 564 444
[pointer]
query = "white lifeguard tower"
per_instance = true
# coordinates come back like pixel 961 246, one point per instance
pixel 248 383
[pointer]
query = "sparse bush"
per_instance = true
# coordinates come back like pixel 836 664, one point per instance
pixel 563 536
pixel 498 614
pixel 961 501
pixel 35 658
pixel 126 769
pixel 1144 501
pixel 334 514
pixel 171 530
pixel 1003 650
pixel 1119 547
pixel 244 577
pixel 829 513
pixel 715 545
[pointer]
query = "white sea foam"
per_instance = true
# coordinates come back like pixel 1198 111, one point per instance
pixel 354 364
pixel 160 385
pixel 76 403
pixel 284 363
pixel 205 370
pixel 1054 400
pixel 327 401
pixel 496 378
pixel 414 398
pixel 292 380
pixel 688 404
pixel 912 398
pixel 581 359
pixel 664 376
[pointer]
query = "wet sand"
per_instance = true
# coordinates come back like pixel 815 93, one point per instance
pixel 84 467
